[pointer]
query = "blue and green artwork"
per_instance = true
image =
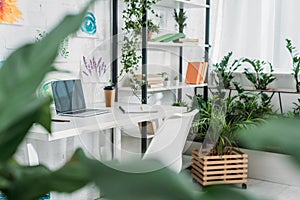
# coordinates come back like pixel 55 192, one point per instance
pixel 89 25
pixel 1 63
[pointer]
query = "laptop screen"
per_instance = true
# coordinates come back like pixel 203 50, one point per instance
pixel 68 95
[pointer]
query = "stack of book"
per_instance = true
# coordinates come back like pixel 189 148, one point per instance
pixel 154 80
pixel 188 40
pixel 196 72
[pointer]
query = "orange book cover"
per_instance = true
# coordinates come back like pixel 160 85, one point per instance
pixel 196 72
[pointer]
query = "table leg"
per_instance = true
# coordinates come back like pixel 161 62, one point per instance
pixel 144 138
pixel 116 143
pixel 280 103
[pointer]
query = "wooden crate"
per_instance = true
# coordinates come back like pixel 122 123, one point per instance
pixel 225 169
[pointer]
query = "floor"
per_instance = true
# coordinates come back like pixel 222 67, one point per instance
pixel 272 191
pixel 269 191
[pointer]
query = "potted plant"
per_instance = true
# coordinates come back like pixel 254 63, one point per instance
pixel 259 79
pixel 225 70
pixel 176 80
pixel 218 147
pixel 165 77
pixel 180 18
pixel 296 62
pixel 152 28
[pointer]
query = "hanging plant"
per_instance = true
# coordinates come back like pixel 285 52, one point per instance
pixel 133 23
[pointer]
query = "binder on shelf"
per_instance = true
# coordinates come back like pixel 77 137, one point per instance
pixel 174 37
pixel 162 37
pixel 168 37
pixel 196 72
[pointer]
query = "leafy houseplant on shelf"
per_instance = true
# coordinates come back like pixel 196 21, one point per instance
pixel 225 70
pixel 180 18
pixel 296 62
pixel 259 78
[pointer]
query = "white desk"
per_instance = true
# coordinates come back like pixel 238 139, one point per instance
pixel 113 120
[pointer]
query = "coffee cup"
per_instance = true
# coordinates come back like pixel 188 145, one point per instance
pixel 109 92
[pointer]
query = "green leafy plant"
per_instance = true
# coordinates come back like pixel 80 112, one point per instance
pixel 63 49
pixel 180 104
pixel 164 76
pixel 260 79
pixel 20 76
pixel 296 62
pixel 296 108
pixel 180 18
pixel 248 104
pixel 225 70
pixel 22 73
pixel 133 23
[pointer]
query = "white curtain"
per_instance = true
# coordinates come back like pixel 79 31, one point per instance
pixel 255 29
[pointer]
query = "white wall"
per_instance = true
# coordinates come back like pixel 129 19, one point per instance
pixel 44 15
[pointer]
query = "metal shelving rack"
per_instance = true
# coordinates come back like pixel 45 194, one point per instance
pixel 164 3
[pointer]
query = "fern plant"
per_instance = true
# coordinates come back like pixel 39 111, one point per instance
pixel 296 62
pixel 259 79
pixel 225 70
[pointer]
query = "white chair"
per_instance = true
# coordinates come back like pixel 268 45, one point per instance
pixel 168 142
pixel 33 158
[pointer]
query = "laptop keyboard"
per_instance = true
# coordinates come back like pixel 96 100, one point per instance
pixel 86 112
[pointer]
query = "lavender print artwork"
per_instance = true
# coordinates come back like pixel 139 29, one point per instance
pixel 94 69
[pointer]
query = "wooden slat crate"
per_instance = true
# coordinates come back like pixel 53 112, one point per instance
pixel 225 169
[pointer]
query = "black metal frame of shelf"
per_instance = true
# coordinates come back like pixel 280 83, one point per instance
pixel 144 77
pixel 114 77
pixel 114 73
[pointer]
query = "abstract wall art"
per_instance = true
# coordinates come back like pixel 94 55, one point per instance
pixel 10 12
pixel 89 26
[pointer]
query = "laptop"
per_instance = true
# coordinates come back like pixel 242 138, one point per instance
pixel 69 99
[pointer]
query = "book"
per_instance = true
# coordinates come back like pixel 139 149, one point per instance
pixel 196 72
pixel 154 80
pixel 143 108
pixel 188 40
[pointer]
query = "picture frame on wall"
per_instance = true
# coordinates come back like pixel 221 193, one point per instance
pixel 89 27
pixel 13 13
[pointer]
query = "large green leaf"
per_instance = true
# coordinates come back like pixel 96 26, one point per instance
pixel 33 182
pixel 281 134
pixel 20 75
pixel 35 110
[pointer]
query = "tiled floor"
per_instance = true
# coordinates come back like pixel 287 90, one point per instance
pixel 272 191
pixel 269 191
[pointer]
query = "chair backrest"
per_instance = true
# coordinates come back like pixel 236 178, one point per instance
pixel 169 140
pixel 32 155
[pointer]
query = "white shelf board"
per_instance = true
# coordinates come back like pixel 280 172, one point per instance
pixel 181 4
pixel 174 44
pixel 171 87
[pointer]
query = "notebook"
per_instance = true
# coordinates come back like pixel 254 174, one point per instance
pixel 69 99
pixel 131 108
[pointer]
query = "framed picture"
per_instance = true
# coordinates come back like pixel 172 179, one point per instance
pixel 89 27
pixel 12 12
